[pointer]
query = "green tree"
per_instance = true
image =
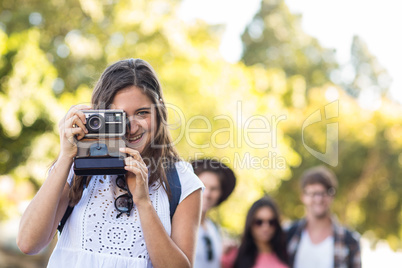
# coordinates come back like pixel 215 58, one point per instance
pixel 275 39
pixel 370 78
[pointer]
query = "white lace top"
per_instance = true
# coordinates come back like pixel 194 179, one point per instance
pixel 93 237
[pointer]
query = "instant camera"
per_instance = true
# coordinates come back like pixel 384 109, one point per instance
pixel 98 152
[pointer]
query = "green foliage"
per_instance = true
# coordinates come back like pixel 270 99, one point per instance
pixel 274 38
pixel 370 77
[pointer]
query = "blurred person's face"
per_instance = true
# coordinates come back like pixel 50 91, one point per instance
pixel 264 225
pixel 139 109
pixel 212 191
pixel 317 200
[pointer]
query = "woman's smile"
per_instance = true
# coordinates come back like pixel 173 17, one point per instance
pixel 136 139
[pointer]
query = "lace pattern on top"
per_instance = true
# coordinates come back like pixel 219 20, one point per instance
pixel 106 234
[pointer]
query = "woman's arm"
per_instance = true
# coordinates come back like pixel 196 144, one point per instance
pixel 179 250
pixel 39 221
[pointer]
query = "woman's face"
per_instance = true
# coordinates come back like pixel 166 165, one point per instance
pixel 264 225
pixel 212 191
pixel 141 113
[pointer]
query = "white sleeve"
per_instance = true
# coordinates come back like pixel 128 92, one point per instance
pixel 188 180
pixel 71 175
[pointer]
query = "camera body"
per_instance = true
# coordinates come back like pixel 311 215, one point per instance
pixel 98 152
pixel 105 123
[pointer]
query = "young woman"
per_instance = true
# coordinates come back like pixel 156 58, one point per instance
pixel 219 181
pixel 97 234
pixel 263 242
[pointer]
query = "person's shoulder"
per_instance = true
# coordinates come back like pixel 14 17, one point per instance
pixel 292 229
pixel 291 226
pixel 184 167
pixel 188 180
pixel 351 236
pixel 185 171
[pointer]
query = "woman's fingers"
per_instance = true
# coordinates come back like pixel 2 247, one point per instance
pixel 77 122
pixel 81 116
pixel 74 110
pixel 77 109
pixel 133 164
pixel 135 170
pixel 138 183
pixel 78 133
pixel 77 114
pixel 74 126
pixel 134 153
pixel 74 117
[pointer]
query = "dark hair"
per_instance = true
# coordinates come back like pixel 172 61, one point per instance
pixel 227 178
pixel 248 251
pixel 320 175
pixel 138 73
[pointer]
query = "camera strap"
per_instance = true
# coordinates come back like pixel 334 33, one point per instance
pixel 175 189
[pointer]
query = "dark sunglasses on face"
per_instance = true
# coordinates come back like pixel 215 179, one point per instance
pixel 123 203
pixel 260 222
pixel 210 252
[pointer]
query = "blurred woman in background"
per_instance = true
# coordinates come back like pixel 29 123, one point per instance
pixel 263 241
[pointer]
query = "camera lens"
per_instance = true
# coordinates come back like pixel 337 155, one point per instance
pixel 95 123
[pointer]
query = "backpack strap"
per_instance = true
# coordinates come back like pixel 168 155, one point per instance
pixel 64 219
pixel 69 210
pixel 175 188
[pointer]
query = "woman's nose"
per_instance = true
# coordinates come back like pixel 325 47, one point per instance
pixel 132 125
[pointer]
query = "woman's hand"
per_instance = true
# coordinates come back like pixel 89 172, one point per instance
pixel 72 128
pixel 137 176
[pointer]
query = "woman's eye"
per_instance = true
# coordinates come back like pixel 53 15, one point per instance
pixel 142 112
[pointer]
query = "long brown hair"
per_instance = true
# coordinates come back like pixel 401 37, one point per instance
pixel 248 251
pixel 160 152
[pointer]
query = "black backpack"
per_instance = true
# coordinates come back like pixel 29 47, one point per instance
pixel 175 188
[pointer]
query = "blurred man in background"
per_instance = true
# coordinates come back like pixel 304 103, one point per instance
pixel 318 240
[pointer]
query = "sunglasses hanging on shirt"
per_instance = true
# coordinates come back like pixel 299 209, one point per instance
pixel 123 203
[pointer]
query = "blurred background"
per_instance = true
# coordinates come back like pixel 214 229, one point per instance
pixel 241 78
